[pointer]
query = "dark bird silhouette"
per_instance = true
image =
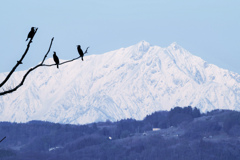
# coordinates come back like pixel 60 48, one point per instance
pixel 80 51
pixel 31 33
pixel 55 58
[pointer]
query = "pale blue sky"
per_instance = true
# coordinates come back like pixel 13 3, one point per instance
pixel 207 28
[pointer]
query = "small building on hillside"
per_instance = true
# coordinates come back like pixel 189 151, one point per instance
pixel 156 129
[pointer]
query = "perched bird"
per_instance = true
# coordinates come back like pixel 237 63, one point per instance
pixel 80 51
pixel 55 58
pixel 31 33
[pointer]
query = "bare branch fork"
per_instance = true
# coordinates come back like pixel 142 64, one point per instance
pixel 39 65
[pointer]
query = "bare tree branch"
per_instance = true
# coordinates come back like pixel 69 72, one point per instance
pixel 3 139
pixel 49 65
pixel 86 50
pixel 21 83
pixel 47 51
pixel 18 62
pixel 39 65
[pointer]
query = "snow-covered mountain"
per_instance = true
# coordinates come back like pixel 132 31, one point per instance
pixel 126 83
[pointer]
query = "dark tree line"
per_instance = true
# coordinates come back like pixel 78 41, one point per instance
pixel 199 138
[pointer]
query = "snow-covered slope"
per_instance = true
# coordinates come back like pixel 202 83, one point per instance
pixel 126 83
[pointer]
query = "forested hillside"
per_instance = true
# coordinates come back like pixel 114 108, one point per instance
pixel 182 133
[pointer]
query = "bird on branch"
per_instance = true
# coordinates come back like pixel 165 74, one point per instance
pixel 55 58
pixel 31 33
pixel 81 52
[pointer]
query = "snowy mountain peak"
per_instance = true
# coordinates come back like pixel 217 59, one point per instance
pixel 175 46
pixel 129 82
pixel 143 46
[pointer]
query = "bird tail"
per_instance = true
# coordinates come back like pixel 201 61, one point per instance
pixel 82 58
pixel 57 65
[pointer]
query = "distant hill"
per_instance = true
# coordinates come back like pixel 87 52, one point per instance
pixel 182 133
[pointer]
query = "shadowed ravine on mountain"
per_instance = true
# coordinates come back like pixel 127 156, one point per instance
pixel 129 82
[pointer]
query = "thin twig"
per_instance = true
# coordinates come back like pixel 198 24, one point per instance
pixel 3 139
pixel 86 50
pixel 47 51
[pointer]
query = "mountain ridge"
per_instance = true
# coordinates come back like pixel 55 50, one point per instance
pixel 129 82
